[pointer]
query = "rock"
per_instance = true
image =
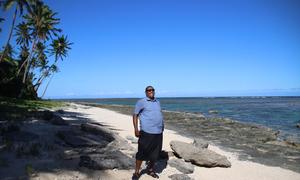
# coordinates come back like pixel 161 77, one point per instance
pixel 8 127
pixel 27 149
pixel 60 111
pixel 86 161
pixel 298 125
pixel 57 120
pixel 181 166
pixel 50 117
pixel 47 115
pixel 132 139
pixel 199 156
pixel 20 136
pixel 95 129
pixel 107 160
pixel 200 143
pixel 78 139
pixel 180 177
pixel 213 112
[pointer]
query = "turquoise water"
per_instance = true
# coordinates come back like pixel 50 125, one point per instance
pixel 279 113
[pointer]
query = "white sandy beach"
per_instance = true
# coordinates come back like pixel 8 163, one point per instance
pixel 240 170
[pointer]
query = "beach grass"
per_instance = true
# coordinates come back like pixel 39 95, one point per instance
pixel 17 109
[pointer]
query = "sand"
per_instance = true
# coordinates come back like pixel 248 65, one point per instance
pixel 122 124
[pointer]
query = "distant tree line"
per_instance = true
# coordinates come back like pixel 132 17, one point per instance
pixel 33 49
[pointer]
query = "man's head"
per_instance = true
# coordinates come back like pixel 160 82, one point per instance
pixel 150 92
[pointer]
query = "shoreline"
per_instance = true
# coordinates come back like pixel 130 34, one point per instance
pixel 283 134
pixel 251 142
pixel 77 141
pixel 241 169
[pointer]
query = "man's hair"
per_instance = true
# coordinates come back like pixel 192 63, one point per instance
pixel 148 87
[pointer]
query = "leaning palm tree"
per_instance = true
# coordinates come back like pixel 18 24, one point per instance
pixel 20 4
pixel 59 48
pixel 41 63
pixel 42 23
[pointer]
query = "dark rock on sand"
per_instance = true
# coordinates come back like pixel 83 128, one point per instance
pixel 57 120
pixel 107 160
pixel 132 139
pixel 298 125
pixel 46 115
pixel 180 177
pixel 50 117
pixel 20 136
pixel 8 127
pixel 98 130
pixel 181 166
pixel 199 156
pixel 60 111
pixel 79 139
pixel 200 143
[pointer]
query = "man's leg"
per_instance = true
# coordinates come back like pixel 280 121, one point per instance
pixel 151 170
pixel 138 164
pixel 151 165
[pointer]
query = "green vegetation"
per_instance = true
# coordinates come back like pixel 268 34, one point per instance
pixel 38 45
pixel 16 109
pixel 29 170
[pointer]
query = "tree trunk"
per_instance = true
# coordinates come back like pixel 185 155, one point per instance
pixel 40 80
pixel 47 85
pixel 55 62
pixel 28 61
pixel 10 34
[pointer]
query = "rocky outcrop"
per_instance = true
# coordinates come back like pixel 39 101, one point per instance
pixel 78 139
pixel 51 117
pixel 98 130
pixel 132 139
pixel 199 156
pixel 107 160
pixel 57 120
pixel 181 166
pixel 180 177
pixel 200 143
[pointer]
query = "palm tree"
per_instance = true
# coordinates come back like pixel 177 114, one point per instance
pixel 19 6
pixel 1 20
pixel 23 35
pixel 60 47
pixel 9 53
pixel 42 24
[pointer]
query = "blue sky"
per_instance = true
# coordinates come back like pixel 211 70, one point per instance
pixel 182 48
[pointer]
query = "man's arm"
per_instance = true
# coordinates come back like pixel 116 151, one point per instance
pixel 135 125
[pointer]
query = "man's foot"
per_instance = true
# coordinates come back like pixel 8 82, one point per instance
pixel 135 176
pixel 152 173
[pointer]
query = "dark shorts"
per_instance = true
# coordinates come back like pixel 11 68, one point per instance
pixel 149 146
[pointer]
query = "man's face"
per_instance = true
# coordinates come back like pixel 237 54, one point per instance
pixel 150 92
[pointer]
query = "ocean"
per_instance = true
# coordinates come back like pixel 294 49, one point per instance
pixel 278 113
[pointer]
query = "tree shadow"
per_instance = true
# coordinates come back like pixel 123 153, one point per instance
pixel 38 147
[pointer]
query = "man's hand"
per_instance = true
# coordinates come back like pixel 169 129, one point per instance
pixel 135 125
pixel 137 133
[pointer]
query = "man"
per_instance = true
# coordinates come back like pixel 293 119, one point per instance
pixel 148 112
